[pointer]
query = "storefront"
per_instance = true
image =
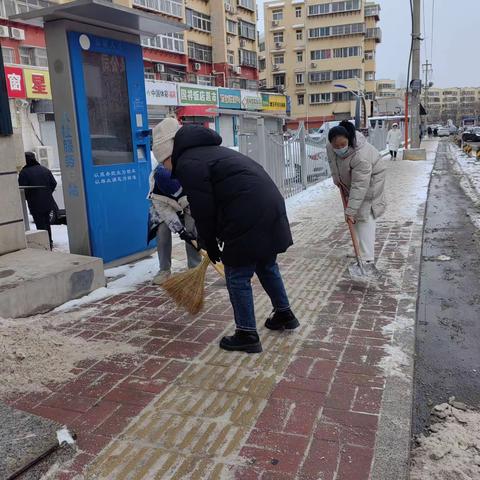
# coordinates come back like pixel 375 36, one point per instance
pixel 227 123
pixel 162 100
pixel 197 105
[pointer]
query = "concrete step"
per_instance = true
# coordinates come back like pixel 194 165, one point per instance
pixel 35 281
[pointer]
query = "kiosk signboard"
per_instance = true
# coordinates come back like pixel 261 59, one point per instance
pixel 229 98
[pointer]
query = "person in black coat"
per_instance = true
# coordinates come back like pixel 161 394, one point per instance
pixel 40 200
pixel 236 204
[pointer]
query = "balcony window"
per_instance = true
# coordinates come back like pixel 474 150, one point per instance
pixel 337 30
pixel 369 76
pixel 299 57
pixel 13 7
pixel 343 96
pixel 334 7
pixel 171 42
pixel 319 32
pixel 372 10
pixel 347 52
pixel 231 57
pixel 232 27
pixel 248 58
pixel 369 54
pixel 374 33
pixel 321 54
pixel 149 74
pixel 278 37
pixel 200 53
pixel 301 99
pixel 320 77
pixel 347 74
pixel 205 80
pixel 320 98
pixel 299 35
pixel 299 79
pixel 8 55
pixel 33 56
pixel 169 7
pixel 198 21
pixel 247 4
pixel 247 30
pixel 279 59
pixel 277 15
pixel 279 80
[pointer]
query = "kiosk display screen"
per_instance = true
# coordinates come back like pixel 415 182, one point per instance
pixel 106 91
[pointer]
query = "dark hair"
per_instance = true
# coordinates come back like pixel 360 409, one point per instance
pixel 345 129
pixel 30 158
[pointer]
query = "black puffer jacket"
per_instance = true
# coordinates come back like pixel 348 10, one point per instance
pixel 231 197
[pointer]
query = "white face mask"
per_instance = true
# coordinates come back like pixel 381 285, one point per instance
pixel 341 152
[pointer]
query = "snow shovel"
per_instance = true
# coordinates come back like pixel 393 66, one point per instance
pixel 355 271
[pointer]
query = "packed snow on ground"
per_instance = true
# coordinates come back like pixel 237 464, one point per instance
pixel 452 450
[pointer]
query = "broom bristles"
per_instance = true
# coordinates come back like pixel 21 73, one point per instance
pixel 187 288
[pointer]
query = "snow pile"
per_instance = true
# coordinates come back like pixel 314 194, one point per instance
pixel 452 450
pixel 33 356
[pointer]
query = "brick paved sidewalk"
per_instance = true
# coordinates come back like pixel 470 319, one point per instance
pixel 310 407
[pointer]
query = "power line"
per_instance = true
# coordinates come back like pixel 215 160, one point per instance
pixel 433 30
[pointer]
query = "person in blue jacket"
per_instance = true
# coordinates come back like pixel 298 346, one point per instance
pixel 169 203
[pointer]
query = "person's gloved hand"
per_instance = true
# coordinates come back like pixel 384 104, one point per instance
pixel 213 251
pixel 186 236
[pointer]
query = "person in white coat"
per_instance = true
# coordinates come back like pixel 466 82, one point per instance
pixel 394 140
pixel 170 203
pixel 359 171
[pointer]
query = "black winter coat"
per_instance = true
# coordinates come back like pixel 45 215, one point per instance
pixel 40 200
pixel 231 197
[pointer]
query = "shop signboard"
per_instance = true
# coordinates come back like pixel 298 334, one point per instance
pixel 197 95
pixel 37 84
pixel 161 93
pixel 251 100
pixel 274 103
pixel 229 98
pixel 15 82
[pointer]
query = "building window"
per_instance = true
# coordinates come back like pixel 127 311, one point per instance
pixel 299 57
pixel 262 64
pixel 8 55
pixel 170 7
pixel 351 29
pixel 200 53
pixel 277 15
pixel 204 80
pixel 369 55
pixel 321 54
pixel 347 52
pixel 198 21
pixel 343 96
pixel 279 80
pixel 370 96
pixel 335 7
pixel 278 37
pixel 320 9
pixel 369 76
pixel 279 59
pixel 319 32
pixel 248 58
pixel 298 12
pixel 247 4
pixel 347 74
pixel 231 57
pixel 301 99
pixel 149 73
pixel 299 78
pixel 232 27
pixel 247 30
pixel 319 77
pixel 171 42
pixel 33 56
pixel 299 34
pixel 319 98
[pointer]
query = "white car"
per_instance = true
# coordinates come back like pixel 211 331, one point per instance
pixel 443 131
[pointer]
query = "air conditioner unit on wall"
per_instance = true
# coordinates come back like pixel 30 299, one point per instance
pixel 278 45
pixel 44 156
pixel 313 65
pixel 159 68
pixel 4 32
pixel 197 66
pixel 237 69
pixel 275 23
pixel 17 33
pixel 276 67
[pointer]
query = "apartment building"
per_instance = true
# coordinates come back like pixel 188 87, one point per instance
pixel 322 54
pixel 386 88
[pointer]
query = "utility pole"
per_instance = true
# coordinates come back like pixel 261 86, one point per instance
pixel 416 78
pixel 427 67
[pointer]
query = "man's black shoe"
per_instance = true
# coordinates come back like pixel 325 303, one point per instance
pixel 242 341
pixel 284 320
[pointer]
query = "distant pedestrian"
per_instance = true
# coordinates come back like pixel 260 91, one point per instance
pixel 170 204
pixel 241 218
pixel 358 169
pixel 429 131
pixel 435 132
pixel 394 140
pixel 40 196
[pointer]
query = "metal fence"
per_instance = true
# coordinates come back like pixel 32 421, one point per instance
pixel 296 162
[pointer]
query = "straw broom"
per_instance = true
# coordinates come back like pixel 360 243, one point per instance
pixel 187 289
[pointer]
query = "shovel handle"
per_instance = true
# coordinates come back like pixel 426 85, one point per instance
pixel 356 247
pixel 217 266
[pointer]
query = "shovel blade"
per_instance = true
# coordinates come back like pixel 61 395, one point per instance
pixel 357 272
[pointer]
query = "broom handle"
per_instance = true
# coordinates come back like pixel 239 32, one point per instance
pixel 356 247
pixel 217 266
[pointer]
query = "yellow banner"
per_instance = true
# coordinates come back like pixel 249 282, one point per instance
pixel 277 103
pixel 37 84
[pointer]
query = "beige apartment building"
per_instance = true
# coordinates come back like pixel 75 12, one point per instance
pixel 386 88
pixel 321 53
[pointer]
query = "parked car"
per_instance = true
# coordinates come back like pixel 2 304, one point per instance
pixel 472 135
pixel 443 131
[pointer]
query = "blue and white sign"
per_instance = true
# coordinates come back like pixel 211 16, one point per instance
pixel 229 98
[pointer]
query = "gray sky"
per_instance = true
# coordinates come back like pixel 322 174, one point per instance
pixel 455 46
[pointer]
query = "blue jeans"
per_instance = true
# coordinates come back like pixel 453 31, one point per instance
pixel 240 290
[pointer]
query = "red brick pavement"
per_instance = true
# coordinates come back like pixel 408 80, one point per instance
pixel 321 418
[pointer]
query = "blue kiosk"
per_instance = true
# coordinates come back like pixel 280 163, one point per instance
pixel 96 69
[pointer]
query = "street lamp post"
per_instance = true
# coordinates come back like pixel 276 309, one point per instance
pixel 360 99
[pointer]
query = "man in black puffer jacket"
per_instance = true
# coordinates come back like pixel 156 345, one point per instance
pixel 235 203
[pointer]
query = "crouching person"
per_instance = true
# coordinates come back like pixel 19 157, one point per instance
pixel 170 204
pixel 236 204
